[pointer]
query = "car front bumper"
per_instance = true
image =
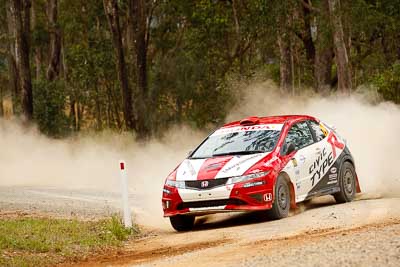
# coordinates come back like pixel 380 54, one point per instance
pixel 238 197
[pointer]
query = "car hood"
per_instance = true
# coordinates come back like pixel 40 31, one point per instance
pixel 216 167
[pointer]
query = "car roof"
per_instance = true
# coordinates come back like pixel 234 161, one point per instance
pixel 267 120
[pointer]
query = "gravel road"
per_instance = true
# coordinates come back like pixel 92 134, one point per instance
pixel 362 233
pixel 365 232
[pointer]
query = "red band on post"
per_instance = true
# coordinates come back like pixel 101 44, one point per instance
pixel 122 165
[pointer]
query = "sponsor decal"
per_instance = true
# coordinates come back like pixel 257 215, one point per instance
pixel 323 129
pixel 294 161
pixel 204 184
pixel 302 158
pixel 333 176
pixel 333 170
pixel 335 143
pixel 319 166
pixel 237 165
pixel 298 185
pixel 213 166
pixel 190 168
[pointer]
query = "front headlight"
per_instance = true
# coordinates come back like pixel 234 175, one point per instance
pixel 177 184
pixel 243 178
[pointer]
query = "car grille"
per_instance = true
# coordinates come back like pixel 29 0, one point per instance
pixel 210 203
pixel 211 183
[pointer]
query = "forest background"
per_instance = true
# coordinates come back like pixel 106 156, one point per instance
pixel 141 66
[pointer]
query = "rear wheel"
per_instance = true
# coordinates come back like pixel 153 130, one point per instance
pixel 280 207
pixel 347 183
pixel 182 222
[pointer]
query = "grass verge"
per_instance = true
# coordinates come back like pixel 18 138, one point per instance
pixel 47 242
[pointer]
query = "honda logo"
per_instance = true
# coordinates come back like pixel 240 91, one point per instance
pixel 267 197
pixel 204 184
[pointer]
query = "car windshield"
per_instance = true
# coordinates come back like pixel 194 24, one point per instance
pixel 239 142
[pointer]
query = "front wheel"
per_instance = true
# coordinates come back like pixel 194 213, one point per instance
pixel 347 183
pixel 280 207
pixel 182 222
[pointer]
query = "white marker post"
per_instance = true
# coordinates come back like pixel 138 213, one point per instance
pixel 125 198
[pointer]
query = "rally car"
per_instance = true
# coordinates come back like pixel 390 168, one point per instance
pixel 260 163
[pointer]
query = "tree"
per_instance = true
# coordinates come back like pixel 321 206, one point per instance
pixel 20 10
pixel 341 53
pixel 285 45
pixel 112 13
pixel 11 58
pixel 53 69
pixel 324 50
pixel 138 17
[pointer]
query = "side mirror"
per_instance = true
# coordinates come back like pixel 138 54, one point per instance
pixel 290 148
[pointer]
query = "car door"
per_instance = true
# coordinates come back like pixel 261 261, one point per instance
pixel 324 162
pixel 307 151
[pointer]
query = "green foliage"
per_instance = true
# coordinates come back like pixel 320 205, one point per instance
pixel 118 230
pixel 49 108
pixel 195 49
pixel 388 83
pixel 38 242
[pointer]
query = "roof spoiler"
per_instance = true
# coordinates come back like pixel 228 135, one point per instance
pixel 250 121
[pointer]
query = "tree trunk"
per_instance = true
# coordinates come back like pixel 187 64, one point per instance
pixel 38 50
pixel 137 14
pixel 11 59
pixel 307 37
pixel 341 53
pixel 53 69
pixel 324 51
pixel 323 68
pixel 111 11
pixel 21 13
pixel 1 102
pixel 285 53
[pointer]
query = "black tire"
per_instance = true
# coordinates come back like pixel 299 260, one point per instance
pixel 281 206
pixel 182 222
pixel 347 183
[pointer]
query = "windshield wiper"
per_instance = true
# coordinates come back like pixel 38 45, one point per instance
pixel 245 152
pixel 199 157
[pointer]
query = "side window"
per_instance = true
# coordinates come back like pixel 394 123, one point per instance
pixel 300 135
pixel 319 134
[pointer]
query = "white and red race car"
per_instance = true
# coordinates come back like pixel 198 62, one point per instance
pixel 268 163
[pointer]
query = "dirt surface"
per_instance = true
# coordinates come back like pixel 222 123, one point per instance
pixel 365 232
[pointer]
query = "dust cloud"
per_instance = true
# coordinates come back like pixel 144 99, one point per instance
pixel 28 158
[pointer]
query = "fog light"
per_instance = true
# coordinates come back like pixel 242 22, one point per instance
pixel 257 197
pixel 167 204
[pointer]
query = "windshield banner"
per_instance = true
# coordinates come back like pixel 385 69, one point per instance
pixel 261 127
